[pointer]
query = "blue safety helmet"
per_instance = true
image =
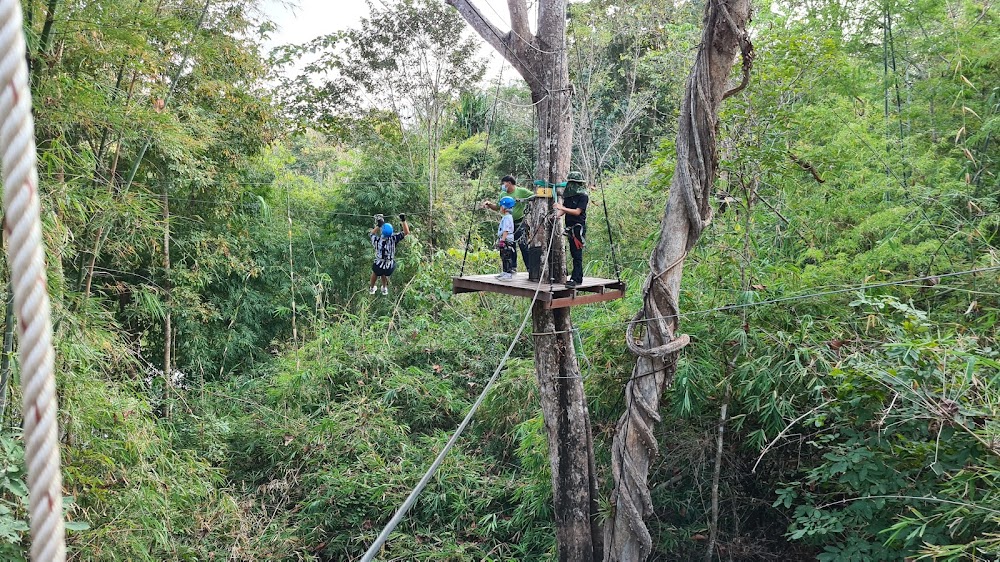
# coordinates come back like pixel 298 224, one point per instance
pixel 507 202
pixel 387 230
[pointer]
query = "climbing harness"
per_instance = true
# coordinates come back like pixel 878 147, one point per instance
pixel 575 235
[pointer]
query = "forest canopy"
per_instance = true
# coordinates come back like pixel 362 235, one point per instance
pixel 229 388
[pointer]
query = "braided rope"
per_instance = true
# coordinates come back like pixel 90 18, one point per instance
pixel 31 298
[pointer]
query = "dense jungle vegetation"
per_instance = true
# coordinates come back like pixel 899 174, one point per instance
pixel 229 390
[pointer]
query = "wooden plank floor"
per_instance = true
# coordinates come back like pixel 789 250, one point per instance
pixel 556 295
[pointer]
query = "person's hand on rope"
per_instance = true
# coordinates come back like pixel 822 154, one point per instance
pixel 402 217
pixel 379 220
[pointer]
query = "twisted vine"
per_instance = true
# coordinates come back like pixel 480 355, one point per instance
pixel 687 214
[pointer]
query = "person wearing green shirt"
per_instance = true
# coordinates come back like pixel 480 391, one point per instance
pixel 509 188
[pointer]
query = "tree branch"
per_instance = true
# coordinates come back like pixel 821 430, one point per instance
pixel 807 167
pixel 500 41
pixel 746 50
pixel 471 14
pixel 519 19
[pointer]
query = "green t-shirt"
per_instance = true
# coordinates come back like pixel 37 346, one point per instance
pixel 519 193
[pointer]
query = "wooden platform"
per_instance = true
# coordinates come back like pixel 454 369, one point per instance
pixel 593 289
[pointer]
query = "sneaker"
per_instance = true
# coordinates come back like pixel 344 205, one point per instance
pixel 372 289
pixel 571 284
pixel 506 277
pixel 385 290
pixel 499 275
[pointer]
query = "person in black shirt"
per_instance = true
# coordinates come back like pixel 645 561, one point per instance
pixel 574 206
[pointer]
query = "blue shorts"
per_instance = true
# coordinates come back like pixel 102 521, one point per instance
pixel 383 272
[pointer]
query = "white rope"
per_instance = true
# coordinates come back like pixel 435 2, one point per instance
pixel 31 298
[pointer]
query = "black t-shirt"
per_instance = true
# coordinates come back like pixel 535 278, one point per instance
pixel 578 201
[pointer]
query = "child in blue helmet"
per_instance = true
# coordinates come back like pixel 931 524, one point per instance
pixel 384 239
pixel 505 239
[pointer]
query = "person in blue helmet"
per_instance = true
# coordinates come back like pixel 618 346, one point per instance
pixel 384 239
pixel 505 239
pixel 509 188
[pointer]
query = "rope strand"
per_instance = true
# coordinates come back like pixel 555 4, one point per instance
pixel 31 297
pixel 486 148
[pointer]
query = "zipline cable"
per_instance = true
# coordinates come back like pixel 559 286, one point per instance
pixel 31 297
pixel 849 289
pixel 804 296
pixel 486 148
pixel 412 498
pixel 170 92
pixel 102 232
pixel 598 166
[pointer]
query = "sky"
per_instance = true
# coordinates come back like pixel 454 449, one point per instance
pixel 304 20
pixel 308 19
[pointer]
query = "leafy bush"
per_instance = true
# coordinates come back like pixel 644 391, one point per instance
pixel 904 463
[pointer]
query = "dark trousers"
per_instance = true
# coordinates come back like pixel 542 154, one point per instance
pixel 577 235
pixel 521 238
pixel 508 258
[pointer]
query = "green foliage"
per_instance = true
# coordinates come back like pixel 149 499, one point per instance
pixel 13 499
pixel 336 434
pixel 904 465
pixel 409 57
pixel 629 62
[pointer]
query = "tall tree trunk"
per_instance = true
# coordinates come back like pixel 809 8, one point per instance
pixel 168 336
pixel 43 40
pixel 541 60
pixel 291 278
pixel 713 524
pixel 688 210
pixel 8 350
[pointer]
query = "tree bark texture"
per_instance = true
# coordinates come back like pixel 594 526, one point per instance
pixel 688 211
pixel 567 427
pixel 540 58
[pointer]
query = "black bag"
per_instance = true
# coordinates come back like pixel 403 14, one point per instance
pixel 534 264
